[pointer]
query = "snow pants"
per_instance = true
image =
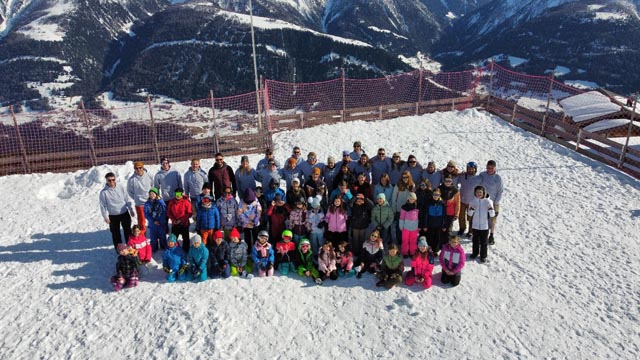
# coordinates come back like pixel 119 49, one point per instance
pixel 409 242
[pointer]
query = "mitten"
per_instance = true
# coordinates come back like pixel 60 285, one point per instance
pixel 182 269
pixel 167 269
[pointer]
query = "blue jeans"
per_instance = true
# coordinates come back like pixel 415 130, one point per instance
pixel 317 240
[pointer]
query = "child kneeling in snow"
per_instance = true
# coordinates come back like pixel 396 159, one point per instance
pixel 392 268
pixel 174 260
pixel 304 261
pixel 238 254
pixel 126 268
pixel 262 254
pixel 421 265
pixel 327 262
pixel 138 241
pixel 285 251
pixel 198 257
pixel 452 259
pixel 344 259
pixel 219 256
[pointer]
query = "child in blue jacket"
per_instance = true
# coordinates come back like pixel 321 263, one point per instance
pixel 174 260
pixel 198 257
pixel 434 222
pixel 155 211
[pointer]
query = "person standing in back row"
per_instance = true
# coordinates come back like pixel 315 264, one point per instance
pixel 194 180
pixel 138 187
pixel 116 209
pixel 220 176
pixel 492 183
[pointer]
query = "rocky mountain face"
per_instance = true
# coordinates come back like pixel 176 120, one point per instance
pixel 185 49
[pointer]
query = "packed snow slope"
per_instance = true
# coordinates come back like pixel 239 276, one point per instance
pixel 562 281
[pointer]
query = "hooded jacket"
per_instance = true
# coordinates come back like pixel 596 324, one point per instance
pixel 193 181
pixel 138 187
pixel 114 201
pixel 452 259
pixel 167 181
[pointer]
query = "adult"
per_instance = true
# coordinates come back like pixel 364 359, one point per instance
pixel 413 166
pixel 294 193
pixel 291 171
pixel 265 176
pixel 194 180
pixel 264 162
pixel 363 166
pixel 346 159
pixel 329 173
pixel 399 197
pixel 167 180
pixel 138 187
pixel 357 152
pixel 245 176
pixel 345 174
pixel 314 183
pixel 451 198
pixel 380 164
pixel 297 154
pixel 432 174
pixel 221 175
pixel 116 209
pixel 451 170
pixel 383 187
pixel 492 183
pixel 309 165
pixel 468 181
pixel 395 170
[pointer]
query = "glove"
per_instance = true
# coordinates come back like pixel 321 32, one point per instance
pixel 167 269
pixel 269 266
pixel 182 269
pixel 198 273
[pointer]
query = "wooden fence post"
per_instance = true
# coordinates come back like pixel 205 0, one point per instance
pixel 92 149
pixel 419 103
pixel 578 139
pixel 546 113
pixel 25 160
pixel 301 120
pixel 344 95
pixel 623 153
pixel 513 114
pixel 154 135
pixel 216 143
pixel 490 85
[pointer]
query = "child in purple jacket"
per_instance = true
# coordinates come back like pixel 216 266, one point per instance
pixel 452 259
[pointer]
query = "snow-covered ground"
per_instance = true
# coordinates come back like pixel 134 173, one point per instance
pixel 562 281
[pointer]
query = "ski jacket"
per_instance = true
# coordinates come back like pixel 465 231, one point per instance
pixel 451 199
pixel 303 261
pixel 392 265
pixel 434 215
pixel 114 201
pixel 127 266
pixel 138 187
pixel 336 221
pixel 221 176
pixel 249 214
pixel 167 181
pixel 314 217
pixel 365 189
pixel 180 209
pixel 228 208
pixel 452 259
pixel 174 258
pixel 298 221
pixel 344 259
pixel 361 214
pixel 238 253
pixel 422 264
pixel 193 181
pixel 480 210
pixel 199 256
pixel 398 198
pixel 326 261
pixel 207 217
pixel 142 245
pixel 155 210
pixel 409 217
pixel 219 253
pixel 382 215
pixel 285 251
pixel 262 254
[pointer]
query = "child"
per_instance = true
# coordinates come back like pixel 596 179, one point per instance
pixel 336 219
pixel 174 260
pixel 304 262
pixel 228 208
pixel 408 225
pixel 344 260
pixel 285 251
pixel 220 256
pixel 277 213
pixel 315 224
pixel 179 212
pixel 452 260
pixel 198 258
pixel 381 218
pixel 207 219
pixel 298 220
pixel 126 268
pixel 155 211
pixel 263 205
pixel 371 256
pixel 421 265
pixel 327 262
pixel 138 241
pixel 360 220
pixel 249 213
pixel 390 274
pixel 237 254
pixel 434 223
pixel 481 211
pixel 262 255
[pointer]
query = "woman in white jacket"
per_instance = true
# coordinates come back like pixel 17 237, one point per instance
pixel 481 211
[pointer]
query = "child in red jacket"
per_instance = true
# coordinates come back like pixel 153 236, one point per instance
pixel 285 250
pixel 179 212
pixel 421 265
pixel 138 241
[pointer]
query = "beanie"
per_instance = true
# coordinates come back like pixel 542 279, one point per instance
pixel 234 233
pixel 422 241
pixel 196 239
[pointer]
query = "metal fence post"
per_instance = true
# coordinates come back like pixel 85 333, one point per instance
pixel 25 160
pixel 154 134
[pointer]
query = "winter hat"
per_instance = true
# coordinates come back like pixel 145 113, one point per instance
pixel 207 198
pixel 360 196
pixel 287 233
pixel 381 196
pixel 219 235
pixel 259 188
pixel 172 239
pixel 243 158
pixel 292 161
pixel 295 180
pixel 397 153
pixel 138 164
pixel 451 163
pixel 154 190
pixel 249 196
pixel 316 171
pixel 314 202
pixel 278 197
pixel 304 242
pixel 345 152
pixel 413 196
pixel 422 241
pixel 357 143
pixel 411 157
pixel 234 233
pixel 196 239
pixel 121 247
pixel 263 233
pixel 206 185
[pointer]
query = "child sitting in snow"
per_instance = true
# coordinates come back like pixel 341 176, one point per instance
pixel 220 256
pixel 262 254
pixel 174 260
pixel 304 262
pixel 138 241
pixel 126 268
pixel 198 257
pixel 392 268
pixel 237 254
pixel 421 265
pixel 327 262
pixel 285 251
pixel 371 256
pixel 344 259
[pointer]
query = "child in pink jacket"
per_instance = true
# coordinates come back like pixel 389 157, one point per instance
pixel 408 224
pixel 138 241
pixel 421 265
pixel 452 259
pixel 327 262
pixel 336 220
pixel 344 259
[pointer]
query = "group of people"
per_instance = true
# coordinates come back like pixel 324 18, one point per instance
pixel 330 220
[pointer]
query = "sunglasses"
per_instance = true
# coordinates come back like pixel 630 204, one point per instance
pixel 380 153
pixel 311 158
pixel 138 168
pixel 297 152
pixel 405 177
pixel 412 162
pixel 396 157
pixel 450 166
pixel 111 180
